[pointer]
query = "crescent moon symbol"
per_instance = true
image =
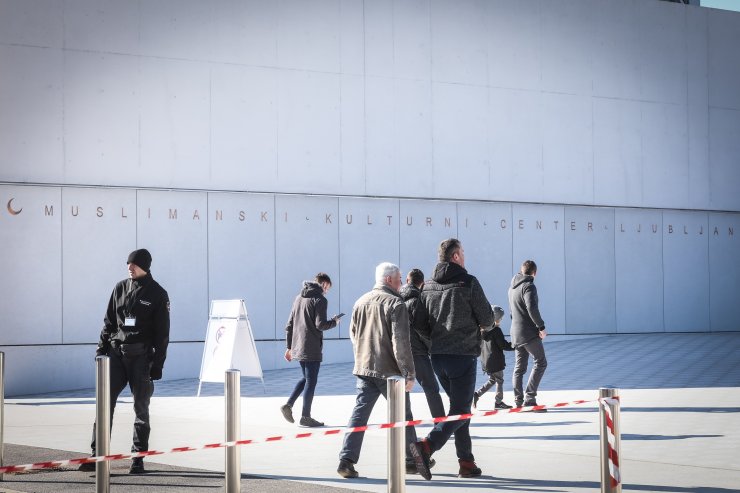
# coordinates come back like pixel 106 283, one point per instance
pixel 12 211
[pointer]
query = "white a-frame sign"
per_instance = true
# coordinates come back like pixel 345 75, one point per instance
pixel 229 343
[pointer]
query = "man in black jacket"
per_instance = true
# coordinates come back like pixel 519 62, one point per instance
pixel 527 334
pixel 135 337
pixel 305 341
pixel 458 309
pixel 421 342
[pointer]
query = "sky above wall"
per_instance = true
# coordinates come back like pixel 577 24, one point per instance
pixel 722 4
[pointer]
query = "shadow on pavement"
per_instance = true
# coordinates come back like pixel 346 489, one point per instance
pixel 159 477
pixel 629 409
pixel 473 424
pixel 625 436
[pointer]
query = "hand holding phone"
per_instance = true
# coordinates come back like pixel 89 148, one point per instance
pixel 337 317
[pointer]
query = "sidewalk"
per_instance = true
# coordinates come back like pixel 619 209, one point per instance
pixel 159 477
pixel 680 427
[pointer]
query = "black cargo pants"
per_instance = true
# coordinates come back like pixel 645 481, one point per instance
pixel 130 364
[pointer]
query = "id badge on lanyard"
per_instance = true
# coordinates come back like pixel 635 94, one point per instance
pixel 129 319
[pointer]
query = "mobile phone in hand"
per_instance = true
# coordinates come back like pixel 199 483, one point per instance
pixel 337 317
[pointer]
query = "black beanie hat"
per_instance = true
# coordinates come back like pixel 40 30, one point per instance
pixel 141 257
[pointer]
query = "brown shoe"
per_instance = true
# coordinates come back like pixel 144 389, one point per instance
pixel 411 466
pixel 421 452
pixel 468 469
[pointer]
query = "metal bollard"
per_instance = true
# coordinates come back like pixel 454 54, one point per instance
pixel 610 440
pixel 396 436
pixel 102 422
pixel 233 425
pixel 2 410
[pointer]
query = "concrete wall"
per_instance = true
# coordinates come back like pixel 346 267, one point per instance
pixel 600 138
pixel 592 102
pixel 601 270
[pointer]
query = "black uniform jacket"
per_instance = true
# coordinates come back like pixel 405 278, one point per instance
pixel 145 300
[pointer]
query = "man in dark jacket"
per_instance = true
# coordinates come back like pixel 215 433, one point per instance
pixel 135 337
pixel 305 341
pixel 457 309
pixel 421 342
pixel 527 333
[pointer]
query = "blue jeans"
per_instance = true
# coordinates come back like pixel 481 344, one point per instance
pixel 456 374
pixel 368 391
pixel 427 380
pixel 310 371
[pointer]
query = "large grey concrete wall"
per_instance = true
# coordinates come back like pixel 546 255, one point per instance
pixel 602 269
pixel 371 131
pixel 593 102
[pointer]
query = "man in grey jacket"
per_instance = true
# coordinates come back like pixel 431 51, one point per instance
pixel 527 333
pixel 458 309
pixel 379 331
pixel 305 341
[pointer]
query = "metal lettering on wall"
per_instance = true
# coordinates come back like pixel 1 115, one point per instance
pixel 15 209
pixel 262 246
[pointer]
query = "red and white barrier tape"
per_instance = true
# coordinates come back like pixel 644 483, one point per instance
pixel 612 441
pixel 331 431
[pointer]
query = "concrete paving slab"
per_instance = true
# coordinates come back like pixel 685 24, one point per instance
pixel 680 430
pixel 158 477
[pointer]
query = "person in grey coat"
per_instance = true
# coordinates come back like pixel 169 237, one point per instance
pixel 305 342
pixel 527 333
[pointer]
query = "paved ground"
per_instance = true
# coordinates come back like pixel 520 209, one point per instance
pixel 159 477
pixel 680 428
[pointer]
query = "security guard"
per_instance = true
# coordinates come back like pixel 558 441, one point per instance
pixel 135 337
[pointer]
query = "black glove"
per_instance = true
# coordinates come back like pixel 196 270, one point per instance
pixel 155 373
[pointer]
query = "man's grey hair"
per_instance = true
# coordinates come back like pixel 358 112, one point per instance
pixel 385 269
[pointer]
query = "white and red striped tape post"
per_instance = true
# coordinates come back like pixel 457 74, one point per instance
pixel 277 438
pixel 606 403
